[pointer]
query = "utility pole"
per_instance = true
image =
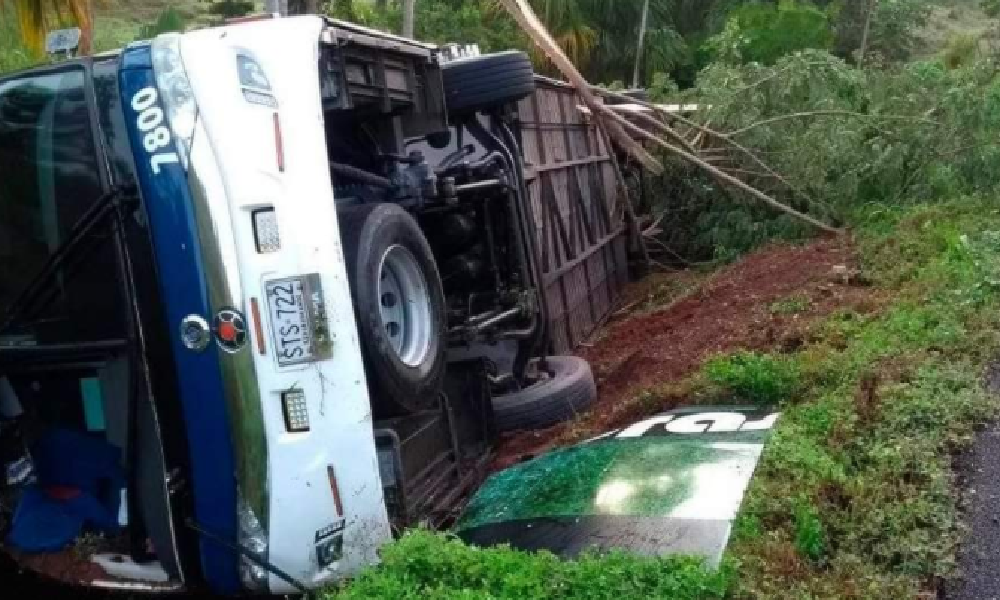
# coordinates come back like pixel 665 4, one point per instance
pixel 639 49
pixel 864 34
pixel 276 7
pixel 303 7
pixel 409 17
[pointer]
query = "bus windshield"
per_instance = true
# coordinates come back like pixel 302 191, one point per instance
pixel 49 176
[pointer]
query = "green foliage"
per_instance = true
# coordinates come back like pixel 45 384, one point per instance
pixel 170 20
pixel 599 36
pixel 849 475
pixel 423 565
pixel 991 8
pixel 843 136
pixel 440 21
pixel 961 50
pixel 757 378
pixel 854 495
pixel 114 33
pixel 892 31
pixel 764 32
pixel 809 536
pixel 791 305
pixel 14 55
pixel 228 9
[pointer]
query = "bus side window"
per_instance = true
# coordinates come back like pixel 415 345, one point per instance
pixel 49 177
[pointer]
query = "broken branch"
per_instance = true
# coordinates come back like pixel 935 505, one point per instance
pixel 827 113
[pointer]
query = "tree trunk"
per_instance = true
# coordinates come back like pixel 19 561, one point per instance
pixel 409 17
pixel 303 7
pixel 640 47
pixel 276 7
pixel 863 50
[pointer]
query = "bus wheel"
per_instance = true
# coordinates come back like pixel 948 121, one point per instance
pixel 399 306
pixel 488 81
pixel 564 389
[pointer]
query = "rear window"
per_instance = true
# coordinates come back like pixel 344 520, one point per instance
pixel 49 176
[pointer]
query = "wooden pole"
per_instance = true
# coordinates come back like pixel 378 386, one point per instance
pixel 635 230
pixel 864 34
pixel 409 17
pixel 528 20
pixel 640 48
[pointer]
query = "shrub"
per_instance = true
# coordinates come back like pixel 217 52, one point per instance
pixel 764 33
pixel 856 138
pixel 809 536
pixel 169 20
pixel 228 9
pixel 758 378
pixel 425 565
pixel 961 50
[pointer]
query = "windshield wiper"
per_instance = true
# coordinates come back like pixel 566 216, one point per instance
pixel 69 249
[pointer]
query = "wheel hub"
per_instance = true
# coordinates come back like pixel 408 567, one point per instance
pixel 405 305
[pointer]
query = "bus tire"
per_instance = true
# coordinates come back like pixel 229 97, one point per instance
pixel 484 82
pixel 399 306
pixel 568 390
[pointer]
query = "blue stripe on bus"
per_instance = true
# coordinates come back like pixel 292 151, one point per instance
pixel 181 275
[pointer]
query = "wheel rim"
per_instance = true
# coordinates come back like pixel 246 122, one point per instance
pixel 405 305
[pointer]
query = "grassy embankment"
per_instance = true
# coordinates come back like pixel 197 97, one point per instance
pixel 855 495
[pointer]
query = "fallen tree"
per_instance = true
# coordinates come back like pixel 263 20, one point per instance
pixel 659 132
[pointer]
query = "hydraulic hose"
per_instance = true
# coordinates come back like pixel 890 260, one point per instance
pixel 360 175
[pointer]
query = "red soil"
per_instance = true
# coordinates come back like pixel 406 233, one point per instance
pixel 730 310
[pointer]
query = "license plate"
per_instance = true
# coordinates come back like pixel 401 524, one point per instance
pixel 298 322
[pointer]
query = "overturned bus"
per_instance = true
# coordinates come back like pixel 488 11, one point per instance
pixel 267 293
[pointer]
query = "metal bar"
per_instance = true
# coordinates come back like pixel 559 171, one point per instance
pixel 553 206
pixel 556 126
pixel 590 239
pixel 581 222
pixel 497 319
pixel 240 550
pixel 477 186
pixel 543 156
pixel 587 222
pixel 82 347
pixel 571 154
pixel 562 270
pixel 548 236
pixel 81 231
pixel 598 182
pixel 566 164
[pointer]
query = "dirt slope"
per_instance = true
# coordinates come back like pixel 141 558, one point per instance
pixel 764 302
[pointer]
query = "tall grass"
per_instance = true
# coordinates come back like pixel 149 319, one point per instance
pixel 13 54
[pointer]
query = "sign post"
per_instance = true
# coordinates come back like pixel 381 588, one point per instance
pixel 63 41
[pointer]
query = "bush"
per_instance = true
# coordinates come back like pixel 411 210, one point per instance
pixel 764 33
pixel 228 9
pixel 962 50
pixel 905 134
pixel 440 21
pixel 892 31
pixel 169 20
pixel 424 565
pixel 758 378
pixel 809 537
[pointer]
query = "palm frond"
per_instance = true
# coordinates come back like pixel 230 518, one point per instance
pixel 35 18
